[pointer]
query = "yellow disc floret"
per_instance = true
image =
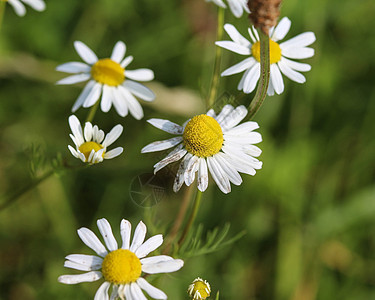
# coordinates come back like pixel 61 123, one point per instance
pixel 121 266
pixel 199 290
pixel 275 51
pixel 109 72
pixel 203 136
pixel 87 147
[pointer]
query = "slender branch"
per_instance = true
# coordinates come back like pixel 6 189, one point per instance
pixel 261 92
pixel 92 112
pixel 218 52
pixel 190 222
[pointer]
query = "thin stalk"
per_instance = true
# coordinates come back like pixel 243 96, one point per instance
pixel 9 199
pixel 261 92
pixel 92 112
pixel 2 10
pixel 197 202
pixel 218 52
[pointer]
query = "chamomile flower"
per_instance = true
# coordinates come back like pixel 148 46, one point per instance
pixel 199 289
pixel 91 146
pixel 109 79
pixel 122 267
pixel 210 142
pixel 236 6
pixel 19 7
pixel 280 54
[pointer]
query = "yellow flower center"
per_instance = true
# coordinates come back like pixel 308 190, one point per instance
pixel 200 290
pixel 87 147
pixel 107 71
pixel 275 51
pixel 121 266
pixel 203 136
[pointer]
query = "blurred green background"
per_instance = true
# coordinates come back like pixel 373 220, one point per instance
pixel 308 214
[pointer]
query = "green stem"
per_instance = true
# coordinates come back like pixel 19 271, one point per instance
pixel 218 52
pixel 192 217
pixel 92 112
pixel 2 10
pixel 12 197
pixel 261 92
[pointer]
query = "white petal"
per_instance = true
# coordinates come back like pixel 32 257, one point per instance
pixel 85 53
pixel 291 74
pixel 139 90
pixel 102 292
pixel 218 175
pixel 38 5
pixel 113 153
pixel 86 277
pixel 277 79
pixel 252 150
pixel 253 34
pixel 126 61
pixel 228 169
pixel 91 240
pixel 246 138
pixel 240 84
pixel 202 175
pixel 82 97
pixel 297 66
pixel 242 128
pixel 166 126
pixel 76 129
pixel 140 74
pixel 139 236
pixel 118 52
pixel 236 36
pixel 251 79
pixel 125 229
pixel 155 259
pixel 281 29
pixel 234 47
pixel 175 155
pixel 91 261
pixel 74 79
pixel 134 107
pixel 113 135
pixel 190 170
pixel 18 7
pixel 150 245
pixel 162 145
pixel 225 111
pixel 120 102
pixel 115 293
pixel 179 179
pixel 136 292
pixel 163 266
pixel 152 291
pixel 107 97
pixel 88 131
pixel 73 151
pixel 298 53
pixel 74 67
pixel 300 41
pixel 77 266
pixel 270 90
pixel 211 113
pixel 235 117
pixel 241 66
pixel 235 7
pixel 93 96
pixel 106 231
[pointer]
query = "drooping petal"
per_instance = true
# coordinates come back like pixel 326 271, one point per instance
pixel 134 107
pixel 202 175
pixel 276 79
pixel 166 126
pixel 175 155
pixel 120 102
pixel 152 291
pixel 251 79
pixel 162 145
pixel 93 96
pixel 290 73
pixel 107 97
pixel 228 169
pixel 218 175
pixel 82 97
pixel 102 292
pixel 76 129
pixel 136 292
pixel 139 90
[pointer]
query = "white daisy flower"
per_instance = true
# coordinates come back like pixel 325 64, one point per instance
pixel 91 146
pixel 199 289
pixel 122 267
pixel 210 142
pixel 236 6
pixel 20 9
pixel 108 78
pixel 295 48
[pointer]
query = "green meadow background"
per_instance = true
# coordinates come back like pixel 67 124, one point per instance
pixel 308 214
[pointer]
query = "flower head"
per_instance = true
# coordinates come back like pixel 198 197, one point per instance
pixel 91 146
pixel 199 289
pixel 295 48
pixel 210 142
pixel 236 6
pixel 109 79
pixel 20 9
pixel 122 267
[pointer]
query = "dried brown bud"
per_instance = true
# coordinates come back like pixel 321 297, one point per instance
pixel 264 13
